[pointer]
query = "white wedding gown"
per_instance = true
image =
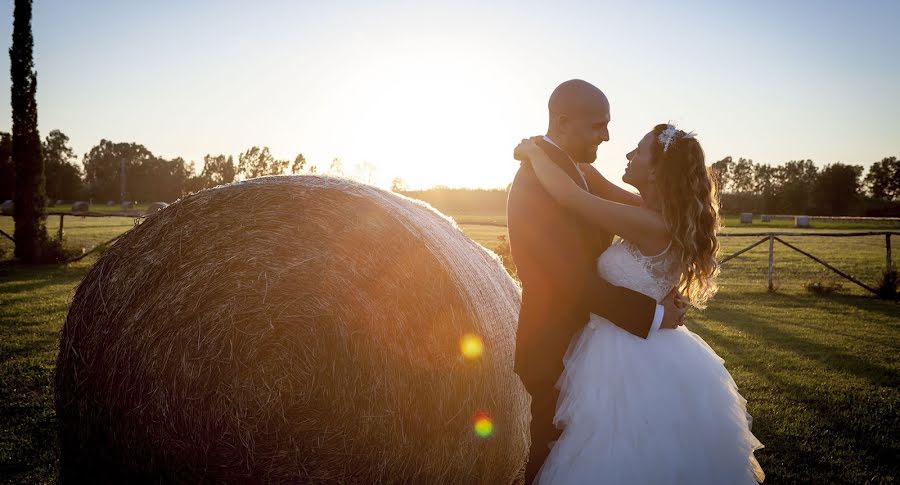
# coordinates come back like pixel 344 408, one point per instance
pixel 658 411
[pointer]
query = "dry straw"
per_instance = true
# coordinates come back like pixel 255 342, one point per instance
pixel 291 329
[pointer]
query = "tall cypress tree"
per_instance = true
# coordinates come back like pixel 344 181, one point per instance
pixel 29 198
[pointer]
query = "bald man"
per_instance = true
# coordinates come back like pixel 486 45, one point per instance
pixel 555 255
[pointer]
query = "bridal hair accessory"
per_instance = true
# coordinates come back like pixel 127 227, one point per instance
pixel 668 136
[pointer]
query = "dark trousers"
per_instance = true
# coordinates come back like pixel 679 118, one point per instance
pixel 543 407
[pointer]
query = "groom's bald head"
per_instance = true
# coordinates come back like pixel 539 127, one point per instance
pixel 579 119
pixel 575 96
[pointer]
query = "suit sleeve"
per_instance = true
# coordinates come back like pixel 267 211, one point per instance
pixel 552 252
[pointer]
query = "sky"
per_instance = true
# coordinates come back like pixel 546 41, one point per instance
pixel 439 93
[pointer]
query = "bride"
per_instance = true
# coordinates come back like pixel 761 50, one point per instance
pixel 662 410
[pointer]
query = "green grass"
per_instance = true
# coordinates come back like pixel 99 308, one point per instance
pixel 821 375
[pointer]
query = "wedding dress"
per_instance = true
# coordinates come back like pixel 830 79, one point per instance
pixel 658 411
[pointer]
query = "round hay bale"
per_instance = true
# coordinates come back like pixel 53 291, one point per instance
pixel 313 336
pixel 155 207
pixel 81 206
pixel 801 221
pixel 746 218
pixel 8 207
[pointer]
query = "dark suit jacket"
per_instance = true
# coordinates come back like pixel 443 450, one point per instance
pixel 555 254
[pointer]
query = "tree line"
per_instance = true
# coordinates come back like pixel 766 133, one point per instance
pixel 796 187
pixel 800 187
pixel 148 177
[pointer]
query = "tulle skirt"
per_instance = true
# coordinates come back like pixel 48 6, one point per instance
pixel 658 411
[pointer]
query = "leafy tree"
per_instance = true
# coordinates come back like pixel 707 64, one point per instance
pixel 837 188
pixel 259 162
pixel 218 170
pixel 364 172
pixel 742 176
pixel 254 162
pixel 722 172
pixel 299 163
pixel 883 179
pixel 7 170
pixel 32 243
pixel 63 176
pixel 102 168
pixel 398 185
pixel 336 168
pixel 797 180
pixel 765 184
pixel 158 179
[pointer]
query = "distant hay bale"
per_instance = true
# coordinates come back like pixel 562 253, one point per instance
pixel 110 203
pixel 746 218
pixel 766 218
pixel 312 336
pixel 8 208
pixel 801 221
pixel 81 206
pixel 127 205
pixel 155 207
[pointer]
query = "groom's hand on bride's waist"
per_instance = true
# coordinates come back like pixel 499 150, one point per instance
pixel 675 306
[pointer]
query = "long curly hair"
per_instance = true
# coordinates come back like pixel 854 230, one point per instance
pixel 690 206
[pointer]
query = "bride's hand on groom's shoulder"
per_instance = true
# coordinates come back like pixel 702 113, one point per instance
pixel 525 148
pixel 675 307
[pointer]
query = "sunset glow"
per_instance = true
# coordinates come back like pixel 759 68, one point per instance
pixel 440 94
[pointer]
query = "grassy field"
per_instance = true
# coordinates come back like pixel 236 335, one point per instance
pixel 821 374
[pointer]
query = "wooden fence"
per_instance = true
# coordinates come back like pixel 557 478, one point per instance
pixel 770 237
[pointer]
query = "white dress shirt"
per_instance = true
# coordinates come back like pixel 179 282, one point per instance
pixel 658 316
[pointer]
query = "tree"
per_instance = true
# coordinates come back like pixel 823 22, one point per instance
pixel 797 179
pixel 883 179
pixel 259 162
pixel 218 170
pixel 102 168
pixel 742 176
pixel 336 168
pixel 363 172
pixel 158 179
pixel 29 199
pixel 398 185
pixel 837 188
pixel 63 176
pixel 721 172
pixel 7 170
pixel 299 163
pixel 765 184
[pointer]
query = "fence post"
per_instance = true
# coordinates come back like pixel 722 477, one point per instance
pixel 771 262
pixel 60 235
pixel 887 251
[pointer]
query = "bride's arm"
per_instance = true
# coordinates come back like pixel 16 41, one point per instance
pixel 603 188
pixel 641 226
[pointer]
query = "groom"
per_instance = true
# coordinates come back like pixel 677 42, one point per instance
pixel 555 255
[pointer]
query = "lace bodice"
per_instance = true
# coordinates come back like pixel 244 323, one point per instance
pixel 623 265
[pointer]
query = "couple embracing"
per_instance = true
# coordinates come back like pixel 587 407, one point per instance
pixel 622 392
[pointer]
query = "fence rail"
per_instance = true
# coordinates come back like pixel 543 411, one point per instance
pixel 770 237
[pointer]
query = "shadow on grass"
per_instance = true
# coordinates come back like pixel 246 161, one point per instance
pixel 35 301
pixel 850 437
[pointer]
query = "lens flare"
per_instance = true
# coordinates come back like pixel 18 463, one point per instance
pixel 484 427
pixel 471 346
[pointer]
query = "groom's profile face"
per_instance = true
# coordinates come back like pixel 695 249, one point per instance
pixel 588 129
pixel 584 126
